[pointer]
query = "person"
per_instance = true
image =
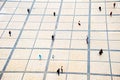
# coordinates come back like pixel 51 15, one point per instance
pixel 58 71
pixel 114 4
pixel 100 52
pixel 100 9
pixel 110 13
pixel 87 40
pixel 61 69
pixel 40 57
pixel 54 14
pixel 28 10
pixel 53 57
pixel 79 23
pixel 52 37
pixel 10 33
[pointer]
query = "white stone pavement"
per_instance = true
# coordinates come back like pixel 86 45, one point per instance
pixel 31 37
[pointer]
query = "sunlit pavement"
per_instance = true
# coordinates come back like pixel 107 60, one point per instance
pixel 31 39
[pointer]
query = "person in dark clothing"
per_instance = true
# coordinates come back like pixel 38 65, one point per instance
pixel 28 10
pixel 100 9
pixel 100 52
pixel 87 40
pixel 58 71
pixel 79 23
pixel 52 37
pixel 114 4
pixel 53 57
pixel 110 13
pixel 10 33
pixel 54 13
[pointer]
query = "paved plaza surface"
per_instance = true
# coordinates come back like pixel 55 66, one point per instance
pixel 28 51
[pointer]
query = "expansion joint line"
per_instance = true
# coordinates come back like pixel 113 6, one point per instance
pixel 71 39
pixel 9 20
pixel 88 57
pixel 108 41
pixel 50 52
pixel 33 44
pixel 3 5
pixel 14 47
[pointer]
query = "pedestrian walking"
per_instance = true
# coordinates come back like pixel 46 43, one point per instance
pixel 28 10
pixel 40 56
pixel 61 69
pixel 58 71
pixel 87 40
pixel 53 57
pixel 100 8
pixel 100 52
pixel 114 4
pixel 79 23
pixel 52 37
pixel 111 13
pixel 10 33
pixel 54 13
